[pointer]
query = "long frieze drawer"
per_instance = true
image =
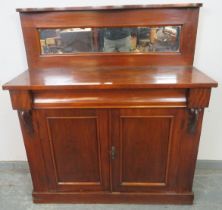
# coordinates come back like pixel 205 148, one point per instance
pixel 110 98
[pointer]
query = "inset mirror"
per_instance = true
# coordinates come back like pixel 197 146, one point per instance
pixel 131 39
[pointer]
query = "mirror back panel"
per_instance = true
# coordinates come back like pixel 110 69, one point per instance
pixel 110 40
pixel 135 36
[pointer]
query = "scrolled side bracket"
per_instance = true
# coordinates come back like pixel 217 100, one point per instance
pixel 26 118
pixel 194 116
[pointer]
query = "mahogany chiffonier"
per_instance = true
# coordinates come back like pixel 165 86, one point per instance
pixel 111 106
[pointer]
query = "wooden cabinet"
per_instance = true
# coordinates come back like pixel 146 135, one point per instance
pixel 79 157
pixel 113 116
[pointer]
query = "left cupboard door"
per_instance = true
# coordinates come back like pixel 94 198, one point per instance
pixel 75 148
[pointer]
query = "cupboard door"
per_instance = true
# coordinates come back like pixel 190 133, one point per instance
pixel 75 149
pixel 145 144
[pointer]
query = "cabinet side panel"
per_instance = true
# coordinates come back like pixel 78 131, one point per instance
pixel 35 155
pixel 188 153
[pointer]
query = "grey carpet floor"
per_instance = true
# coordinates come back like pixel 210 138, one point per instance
pixel 15 192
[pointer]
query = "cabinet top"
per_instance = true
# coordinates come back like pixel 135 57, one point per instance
pixel 117 7
pixel 111 78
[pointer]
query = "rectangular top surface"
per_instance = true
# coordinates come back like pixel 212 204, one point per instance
pixel 117 7
pixel 111 78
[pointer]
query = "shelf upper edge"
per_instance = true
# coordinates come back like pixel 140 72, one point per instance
pixel 108 87
pixel 209 83
pixel 117 7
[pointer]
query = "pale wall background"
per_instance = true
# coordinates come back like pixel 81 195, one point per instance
pixel 208 58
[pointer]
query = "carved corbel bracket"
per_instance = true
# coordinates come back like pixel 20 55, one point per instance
pixel 194 116
pixel 22 101
pixel 26 118
pixel 197 100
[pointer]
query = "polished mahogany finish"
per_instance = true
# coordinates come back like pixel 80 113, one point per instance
pixel 117 7
pixel 111 127
pixel 77 139
pixel 111 78
pixel 185 16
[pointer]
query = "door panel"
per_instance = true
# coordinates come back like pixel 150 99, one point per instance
pixel 78 145
pixel 139 148
pixel 75 140
pixel 146 147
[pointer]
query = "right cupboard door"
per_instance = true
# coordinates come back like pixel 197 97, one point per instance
pixel 145 148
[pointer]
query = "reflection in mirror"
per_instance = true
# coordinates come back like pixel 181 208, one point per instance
pixel 139 39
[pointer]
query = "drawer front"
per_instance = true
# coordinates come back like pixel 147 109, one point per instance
pixel 125 98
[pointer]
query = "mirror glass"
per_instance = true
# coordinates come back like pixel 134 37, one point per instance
pixel 107 40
